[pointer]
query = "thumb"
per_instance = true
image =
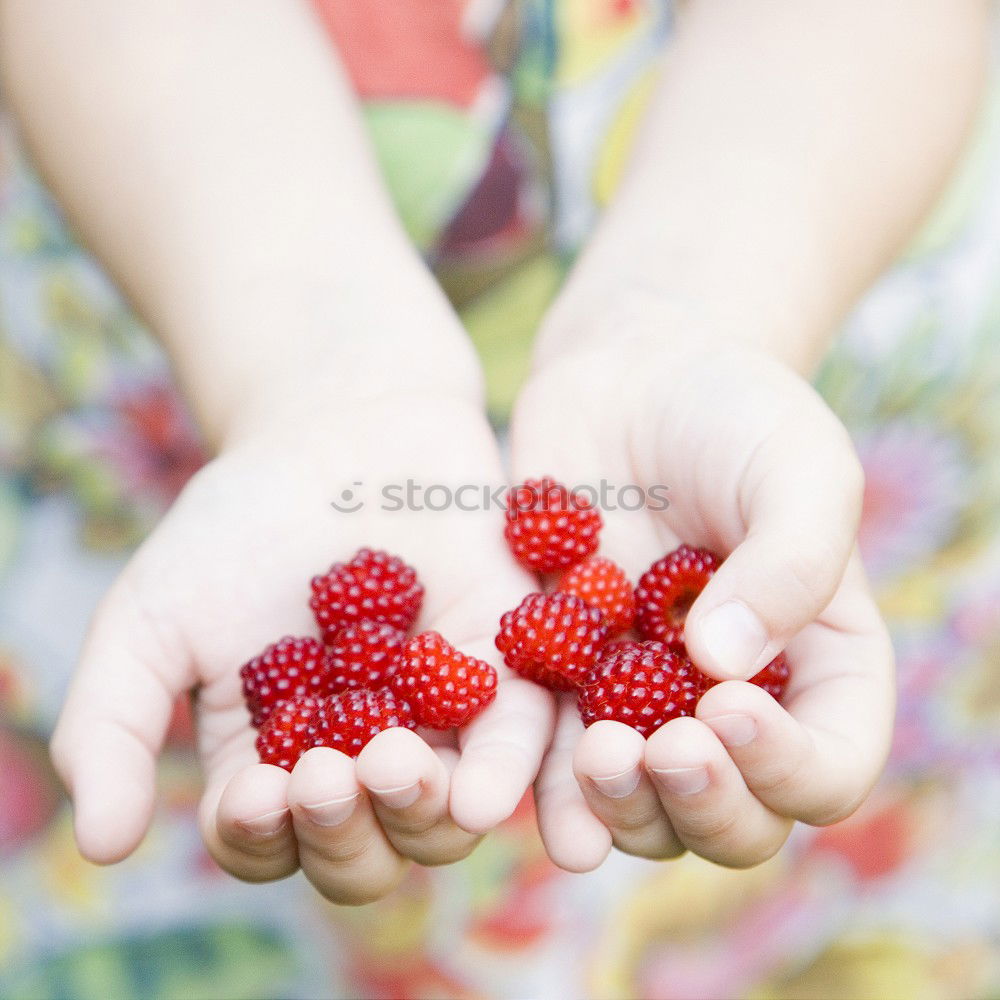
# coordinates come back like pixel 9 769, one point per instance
pixel 802 507
pixel 113 724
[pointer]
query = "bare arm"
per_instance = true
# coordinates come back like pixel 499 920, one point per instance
pixel 212 156
pixel 790 150
pixel 211 153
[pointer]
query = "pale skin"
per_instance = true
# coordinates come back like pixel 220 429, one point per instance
pixel 211 155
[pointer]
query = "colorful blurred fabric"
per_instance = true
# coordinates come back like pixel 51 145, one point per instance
pixel 501 128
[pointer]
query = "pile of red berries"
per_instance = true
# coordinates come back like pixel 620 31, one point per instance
pixel 621 649
pixel 365 675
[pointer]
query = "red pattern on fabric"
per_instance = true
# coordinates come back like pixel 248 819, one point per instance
pixel 418 51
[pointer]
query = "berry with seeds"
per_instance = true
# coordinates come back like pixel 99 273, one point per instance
pixel 603 585
pixel 554 640
pixel 643 685
pixel 445 687
pixel 364 655
pixel 667 590
pixel 288 733
pixel 290 668
pixel 350 720
pixel 373 585
pixel 773 678
pixel 548 527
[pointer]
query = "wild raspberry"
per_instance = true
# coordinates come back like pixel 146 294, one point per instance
pixel 364 655
pixel 445 687
pixel 290 668
pixel 667 590
pixel 554 640
pixel 603 585
pixel 373 585
pixel 548 527
pixel 288 733
pixel 643 685
pixel 773 678
pixel 350 720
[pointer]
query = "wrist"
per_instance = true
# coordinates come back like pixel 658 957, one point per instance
pixel 280 353
pixel 590 316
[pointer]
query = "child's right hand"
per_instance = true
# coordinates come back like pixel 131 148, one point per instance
pixel 226 573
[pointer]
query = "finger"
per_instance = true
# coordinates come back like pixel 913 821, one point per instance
pixel 571 452
pixel 408 784
pixel 710 807
pixel 802 515
pixel 247 827
pixel 816 758
pixel 342 848
pixel 113 724
pixel 610 769
pixel 574 838
pixel 502 752
pixel 502 748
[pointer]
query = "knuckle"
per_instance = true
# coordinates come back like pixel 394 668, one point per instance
pixel 252 847
pixel 712 826
pixel 781 781
pixel 251 868
pixel 827 813
pixel 630 818
pixel 813 569
pixel 346 853
pixel 435 857
pixel 415 826
pixel 659 845
pixel 358 891
pixel 749 856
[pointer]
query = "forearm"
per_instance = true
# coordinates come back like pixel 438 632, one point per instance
pixel 790 150
pixel 212 156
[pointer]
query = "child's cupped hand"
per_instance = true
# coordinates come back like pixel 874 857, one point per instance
pixel 227 572
pixel 758 469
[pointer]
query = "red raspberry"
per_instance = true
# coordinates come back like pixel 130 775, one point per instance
pixel 364 655
pixel 773 678
pixel 288 733
pixel 549 528
pixel 615 645
pixel 553 640
pixel 373 585
pixel 667 590
pixel 644 685
pixel 603 585
pixel 290 668
pixel 350 720
pixel 446 687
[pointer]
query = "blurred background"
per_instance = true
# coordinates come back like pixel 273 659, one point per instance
pixel 501 129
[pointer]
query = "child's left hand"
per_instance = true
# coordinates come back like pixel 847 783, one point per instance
pixel 757 468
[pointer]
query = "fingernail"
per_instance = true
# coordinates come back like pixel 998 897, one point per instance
pixel 617 786
pixel 683 780
pixel 333 812
pixel 266 825
pixel 734 638
pixel 398 798
pixel 733 730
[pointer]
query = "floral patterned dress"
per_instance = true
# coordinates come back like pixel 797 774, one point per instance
pixel 501 128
